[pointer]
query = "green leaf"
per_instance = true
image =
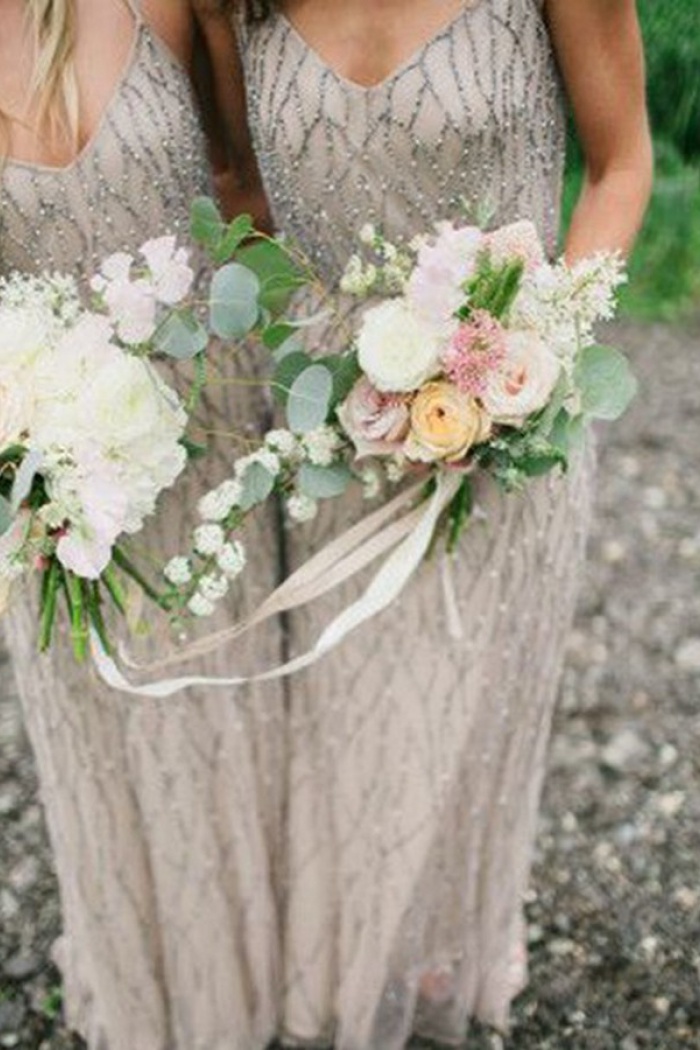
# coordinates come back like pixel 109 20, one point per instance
pixel 310 399
pixel 278 274
pixel 288 370
pixel 567 432
pixel 194 449
pixel 258 484
pixel 182 337
pixel 605 382
pixel 236 232
pixel 535 465
pixel 24 479
pixel 345 371
pixel 323 482
pixel 281 337
pixel 206 223
pixel 233 302
pixel 6 515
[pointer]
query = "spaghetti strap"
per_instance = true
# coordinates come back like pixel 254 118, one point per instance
pixel 135 8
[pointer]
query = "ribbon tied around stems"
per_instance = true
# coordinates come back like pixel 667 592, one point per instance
pixel 406 535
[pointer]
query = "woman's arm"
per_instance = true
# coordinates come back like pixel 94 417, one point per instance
pixel 220 79
pixel 599 49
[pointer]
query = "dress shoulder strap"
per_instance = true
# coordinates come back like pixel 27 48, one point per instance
pixel 135 8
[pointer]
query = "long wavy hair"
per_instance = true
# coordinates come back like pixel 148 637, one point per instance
pixel 53 88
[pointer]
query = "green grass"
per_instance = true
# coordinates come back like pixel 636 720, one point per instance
pixel 665 265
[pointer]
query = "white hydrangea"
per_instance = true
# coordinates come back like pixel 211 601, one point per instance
pixel 213 588
pixel 284 442
pixel 198 605
pixel 178 571
pixel 231 559
pixel 302 508
pixel 321 445
pixel 209 539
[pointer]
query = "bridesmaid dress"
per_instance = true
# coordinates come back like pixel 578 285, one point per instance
pixel 415 762
pixel 163 817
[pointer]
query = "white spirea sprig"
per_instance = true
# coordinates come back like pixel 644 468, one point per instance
pixel 232 558
pixel 209 539
pixel 178 571
pixel 302 508
pixel 321 445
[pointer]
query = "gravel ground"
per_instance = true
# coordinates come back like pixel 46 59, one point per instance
pixel 614 911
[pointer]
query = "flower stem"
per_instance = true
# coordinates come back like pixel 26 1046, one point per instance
pixel 50 585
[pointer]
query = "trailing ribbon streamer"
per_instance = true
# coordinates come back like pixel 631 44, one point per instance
pixel 410 536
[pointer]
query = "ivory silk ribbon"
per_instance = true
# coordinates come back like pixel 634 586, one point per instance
pixel 408 538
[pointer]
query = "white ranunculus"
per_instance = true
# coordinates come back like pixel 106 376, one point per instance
pixel 23 338
pixel 397 351
pixel 525 381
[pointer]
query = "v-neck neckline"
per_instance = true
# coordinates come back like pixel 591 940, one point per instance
pixel 393 75
pixel 92 142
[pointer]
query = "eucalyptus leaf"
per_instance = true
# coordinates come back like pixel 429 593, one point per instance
pixel 235 233
pixel 24 479
pixel 258 484
pixel 323 482
pixel 206 223
pixel 605 381
pixel 6 515
pixel 310 399
pixel 345 371
pixel 233 303
pixel 278 274
pixel 288 370
pixel 182 337
pixel 567 432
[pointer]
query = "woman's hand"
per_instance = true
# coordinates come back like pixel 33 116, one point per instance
pixel 599 49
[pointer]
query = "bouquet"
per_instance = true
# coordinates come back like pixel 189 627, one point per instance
pixel 470 354
pixel 91 433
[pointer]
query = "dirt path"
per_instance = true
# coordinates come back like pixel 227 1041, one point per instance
pixel 615 907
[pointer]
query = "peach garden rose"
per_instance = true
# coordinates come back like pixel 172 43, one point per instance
pixel 445 423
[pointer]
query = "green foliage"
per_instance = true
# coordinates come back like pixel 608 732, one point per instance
pixel 6 516
pixel 605 382
pixel 309 399
pixel 324 482
pixel 258 484
pixel 233 302
pixel 671 30
pixel 181 336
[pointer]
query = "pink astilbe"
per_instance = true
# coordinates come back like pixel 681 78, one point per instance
pixel 476 350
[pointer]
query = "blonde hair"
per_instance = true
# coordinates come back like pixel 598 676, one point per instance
pixel 53 88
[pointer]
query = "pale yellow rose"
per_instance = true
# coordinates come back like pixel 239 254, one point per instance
pixel 445 424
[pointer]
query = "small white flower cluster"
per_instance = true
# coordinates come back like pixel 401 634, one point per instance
pixel 48 296
pixel 387 274
pixel 301 508
pixel 563 302
pixel 133 301
pixel 321 445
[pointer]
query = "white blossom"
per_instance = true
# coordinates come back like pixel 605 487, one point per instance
pixel 284 442
pixel 198 605
pixel 302 508
pixel 321 445
pixel 208 539
pixel 178 571
pixel 213 588
pixel 231 559
pixel 371 484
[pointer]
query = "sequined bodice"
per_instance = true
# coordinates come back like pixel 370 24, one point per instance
pixel 472 121
pixel 137 176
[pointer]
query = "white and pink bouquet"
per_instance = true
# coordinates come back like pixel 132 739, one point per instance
pixel 471 353
pixel 91 434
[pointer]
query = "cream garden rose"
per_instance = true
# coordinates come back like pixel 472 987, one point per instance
pixel 396 349
pixel 525 380
pixel 445 424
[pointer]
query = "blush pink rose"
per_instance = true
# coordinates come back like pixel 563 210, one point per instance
pixel 375 422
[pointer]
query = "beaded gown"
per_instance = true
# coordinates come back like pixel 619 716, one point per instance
pixel 340 859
